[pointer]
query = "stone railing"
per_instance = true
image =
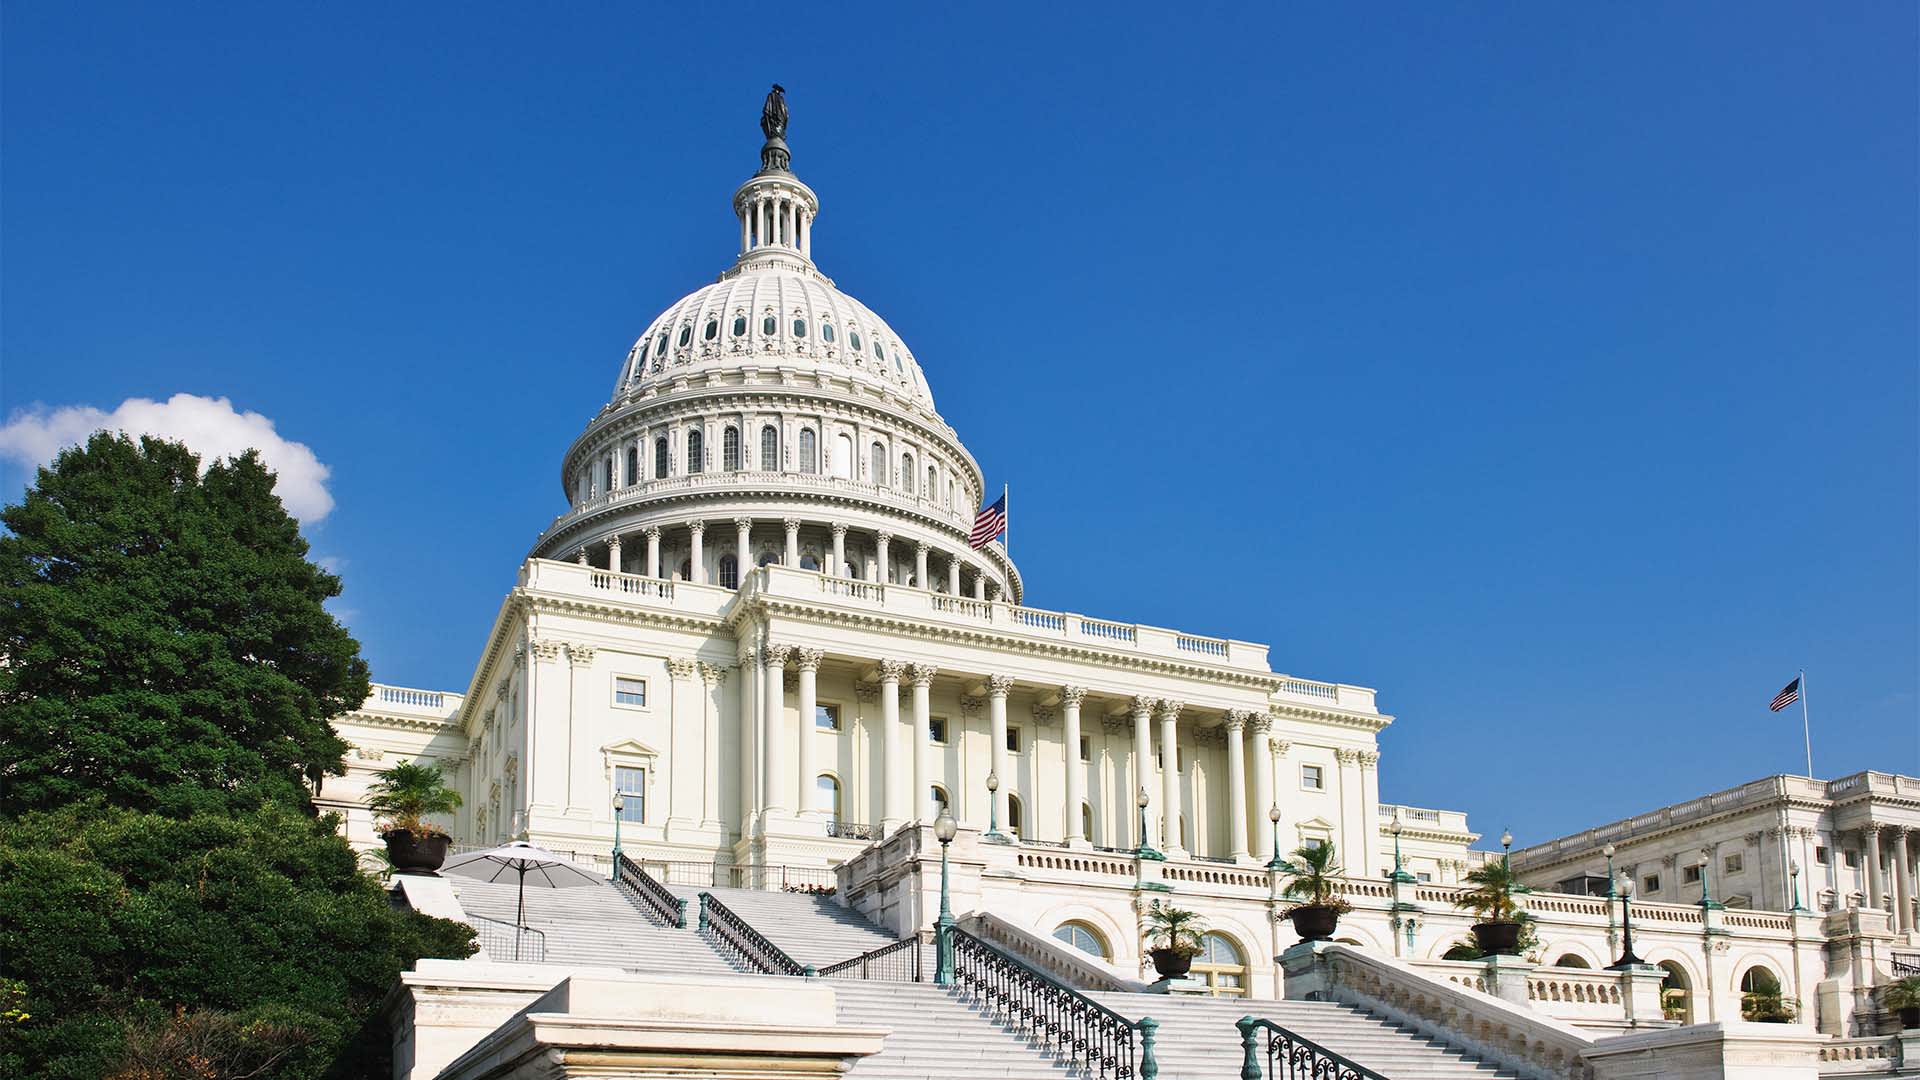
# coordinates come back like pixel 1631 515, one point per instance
pixel 1056 958
pixel 1535 1046
pixel 1851 1057
pixel 406 700
pixel 744 480
pixel 587 582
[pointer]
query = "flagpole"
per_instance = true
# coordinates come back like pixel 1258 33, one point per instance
pixel 1806 728
pixel 1006 541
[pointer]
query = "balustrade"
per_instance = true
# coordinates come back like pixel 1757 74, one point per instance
pixel 1299 1056
pixel 1075 1027
pixel 669 909
pixel 735 938
pixel 898 962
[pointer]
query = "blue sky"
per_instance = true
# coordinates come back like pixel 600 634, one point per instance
pixel 1551 368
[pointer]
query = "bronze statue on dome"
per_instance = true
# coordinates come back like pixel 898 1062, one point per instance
pixel 773 124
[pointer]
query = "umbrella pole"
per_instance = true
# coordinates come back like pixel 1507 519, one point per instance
pixel 520 916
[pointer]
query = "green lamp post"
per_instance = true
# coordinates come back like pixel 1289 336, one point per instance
pixel 1794 870
pixel 1273 816
pixel 944 830
pixel 619 808
pixel 994 835
pixel 1400 874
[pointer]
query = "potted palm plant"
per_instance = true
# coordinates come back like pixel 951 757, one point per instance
pixel 401 800
pixel 1768 1007
pixel 1492 899
pixel 1902 997
pixel 1313 880
pixel 1173 939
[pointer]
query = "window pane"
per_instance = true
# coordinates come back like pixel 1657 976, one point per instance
pixel 937 728
pixel 1013 739
pixel 630 691
pixel 659 459
pixel 696 453
pixel 826 717
pixel 730 449
pixel 739 325
pixel 630 786
pixel 770 448
pixel 729 572
pixel 799 328
pixel 768 325
pixel 826 796
pixel 826 333
pixel 686 336
pixel 713 329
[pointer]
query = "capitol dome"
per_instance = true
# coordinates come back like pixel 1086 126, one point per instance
pixel 777 411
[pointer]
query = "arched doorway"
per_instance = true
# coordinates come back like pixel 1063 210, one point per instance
pixel 1760 994
pixel 1221 965
pixel 1676 993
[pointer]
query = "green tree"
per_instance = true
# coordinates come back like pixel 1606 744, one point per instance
pixel 165 641
pixel 147 943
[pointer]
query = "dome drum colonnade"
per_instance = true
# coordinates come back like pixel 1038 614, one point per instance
pixel 787 769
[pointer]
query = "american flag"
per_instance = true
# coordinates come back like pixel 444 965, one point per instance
pixel 990 524
pixel 1786 697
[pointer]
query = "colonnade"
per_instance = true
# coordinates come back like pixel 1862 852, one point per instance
pixel 907 768
pixel 950 582
pixel 1898 895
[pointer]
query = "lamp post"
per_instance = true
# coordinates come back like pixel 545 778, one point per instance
pixel 1706 868
pixel 1145 850
pixel 1506 848
pixel 1400 875
pixel 1793 869
pixel 994 836
pixel 1273 815
pixel 944 830
pixel 1627 959
pixel 619 811
pixel 1608 852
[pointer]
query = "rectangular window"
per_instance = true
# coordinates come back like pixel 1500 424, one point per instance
pixel 1013 740
pixel 1690 875
pixel 630 788
pixel 1315 842
pixel 1734 863
pixel 1821 855
pixel 629 691
pixel 1423 877
pixel 937 729
pixel 1650 883
pixel 1853 858
pixel 1086 748
pixel 826 717
pixel 1311 778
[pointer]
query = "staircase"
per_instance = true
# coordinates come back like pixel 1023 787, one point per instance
pixel 938 1035
pixel 810 928
pixel 1197 1037
pixel 596 925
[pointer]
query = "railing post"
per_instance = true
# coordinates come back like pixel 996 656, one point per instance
pixel 1249 1060
pixel 681 923
pixel 703 913
pixel 1149 1065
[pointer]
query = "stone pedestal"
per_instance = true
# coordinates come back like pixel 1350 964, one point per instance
pixel 1305 977
pixel 1507 978
pixel 1723 1051
pixel 1640 994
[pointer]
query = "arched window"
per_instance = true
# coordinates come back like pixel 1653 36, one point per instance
pixel 1013 813
pixel 1221 966
pixel 660 458
pixel 1572 960
pixel 1086 821
pixel 686 570
pixel 826 797
pixel 767 558
pixel 933 483
pixel 1083 937
pixel 1760 994
pixel 730 449
pixel 1676 999
pixel 877 465
pixel 633 464
pixel 809 451
pixel 937 800
pixel 696 452
pixel 808 562
pixel 769 449
pixel 843 456
pixel 906 472
pixel 729 572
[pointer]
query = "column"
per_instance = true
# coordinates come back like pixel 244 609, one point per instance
pixel 922 675
pixel 742 550
pixel 1070 699
pixel 1876 891
pixel 773 730
pixel 1237 782
pixel 1170 777
pixel 979 586
pixel 953 575
pixel 653 551
pixel 806 235
pixel 809 664
pixel 613 553
pixel 881 571
pixel 839 568
pixel 581 555
pixel 1142 770
pixel 697 570
pixel 920 566
pixel 793 542
pixel 997 687
pixel 1903 879
pixel 713 677
pixel 745 234
pixel 1260 750
pixel 749 736
pixel 893 801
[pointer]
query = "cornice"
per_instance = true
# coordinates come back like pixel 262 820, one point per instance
pixel 1370 722
pixel 393 722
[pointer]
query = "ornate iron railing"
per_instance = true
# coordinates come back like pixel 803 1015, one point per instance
pixel 1290 1057
pixel 1906 964
pixel 898 962
pixel 505 941
pixel 850 830
pixel 732 935
pixel 1073 1025
pixel 654 897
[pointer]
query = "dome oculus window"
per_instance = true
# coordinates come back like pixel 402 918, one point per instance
pixel 660 345
pixel 739 326
pixel 826 333
pixel 879 352
pixel 713 329
pixel 769 326
pixel 799 328
pixel 686 336
pixel 853 339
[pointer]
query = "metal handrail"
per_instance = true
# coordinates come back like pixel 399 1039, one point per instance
pixel 850 830
pixel 864 965
pixel 1077 1027
pixel 654 896
pixel 494 935
pixel 1906 964
pixel 1299 1056
pixel 733 936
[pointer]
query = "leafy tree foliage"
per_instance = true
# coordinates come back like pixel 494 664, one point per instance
pixel 251 944
pixel 166 648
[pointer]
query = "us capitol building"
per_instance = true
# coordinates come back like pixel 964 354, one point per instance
pixel 758 649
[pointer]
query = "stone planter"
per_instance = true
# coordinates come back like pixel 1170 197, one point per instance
pixel 1314 922
pixel 1497 938
pixel 412 854
pixel 1171 963
pixel 1909 1017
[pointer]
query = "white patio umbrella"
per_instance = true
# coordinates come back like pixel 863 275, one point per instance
pixel 548 871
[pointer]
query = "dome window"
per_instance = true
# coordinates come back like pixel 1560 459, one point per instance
pixel 897 365
pixel 769 326
pixel 878 352
pixel 660 458
pixel 826 332
pixel 853 338
pixel 739 326
pixel 660 345
pixel 809 451
pixel 730 449
pixel 799 328
pixel 686 336
pixel 696 452
pixel 713 329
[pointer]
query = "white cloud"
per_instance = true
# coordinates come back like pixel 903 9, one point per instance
pixel 210 426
